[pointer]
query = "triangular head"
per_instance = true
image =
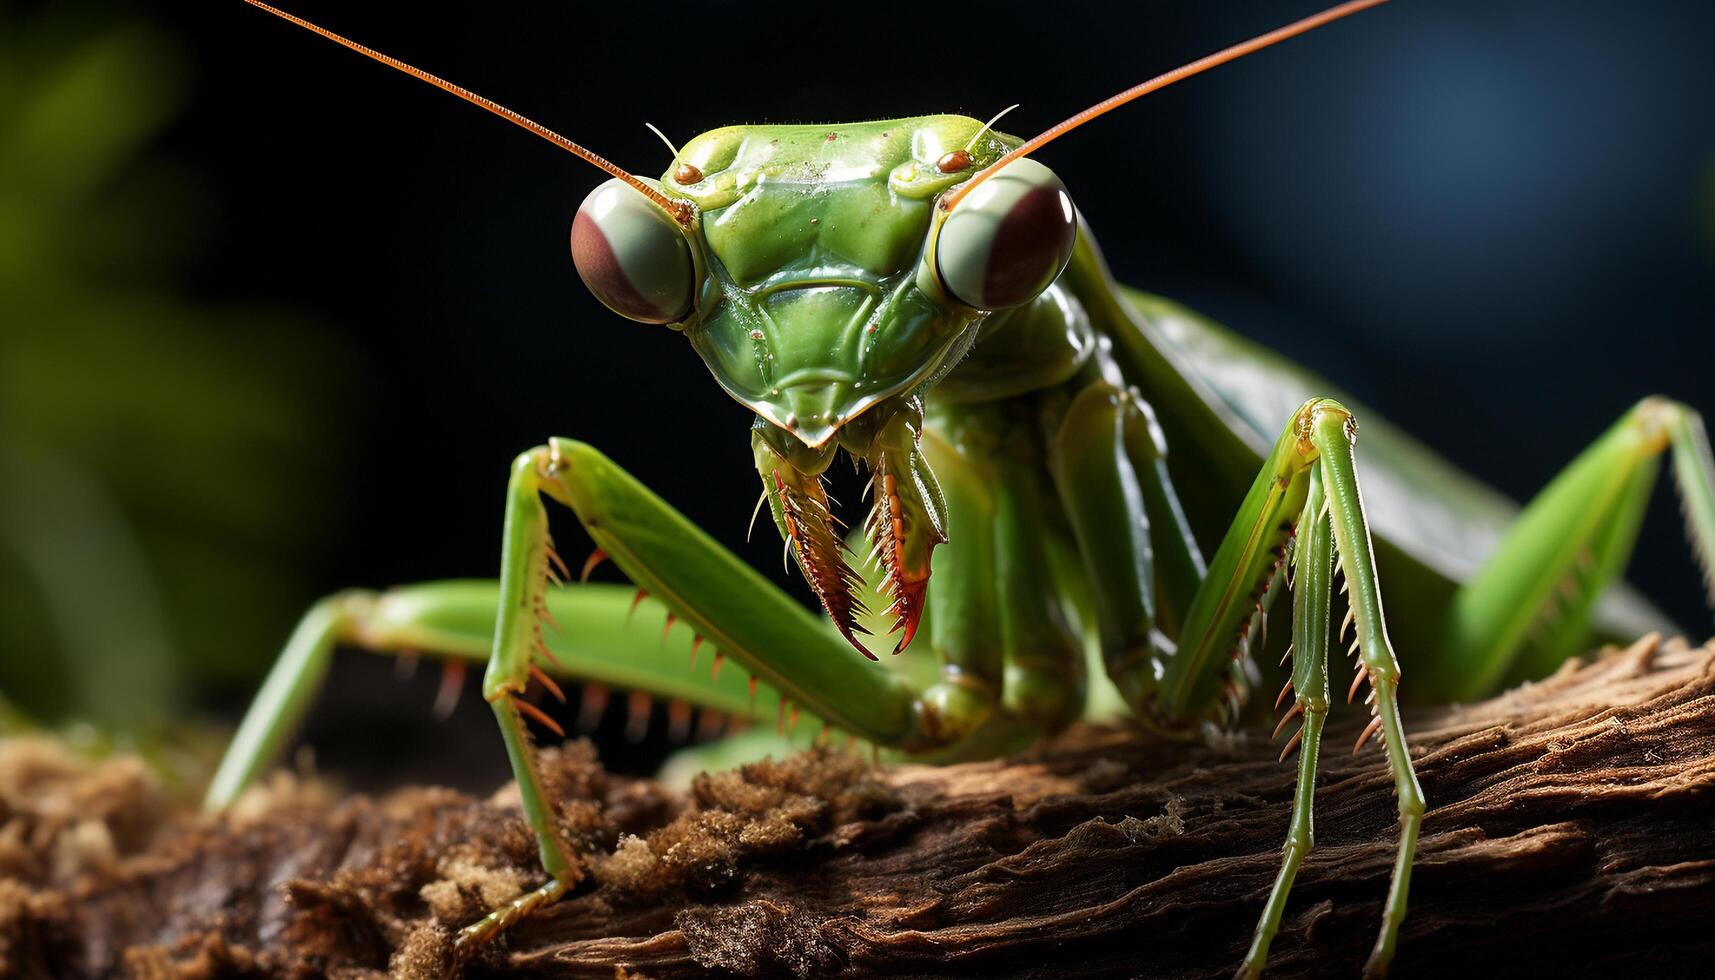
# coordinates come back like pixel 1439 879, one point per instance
pixel 827 292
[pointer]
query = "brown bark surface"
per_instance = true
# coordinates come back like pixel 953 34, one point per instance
pixel 1571 832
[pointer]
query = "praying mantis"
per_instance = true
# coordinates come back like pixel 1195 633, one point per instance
pixel 1058 463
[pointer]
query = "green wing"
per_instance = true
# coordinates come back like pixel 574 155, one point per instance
pixel 1217 393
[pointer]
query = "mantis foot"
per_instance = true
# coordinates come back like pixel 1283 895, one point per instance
pixel 473 936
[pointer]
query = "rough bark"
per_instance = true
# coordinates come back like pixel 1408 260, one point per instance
pixel 1570 833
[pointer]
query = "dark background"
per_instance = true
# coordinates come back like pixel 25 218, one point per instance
pixel 1492 222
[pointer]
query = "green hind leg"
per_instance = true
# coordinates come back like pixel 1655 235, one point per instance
pixel 708 589
pixel 1313 458
pixel 1530 606
pixel 1312 589
pixel 604 643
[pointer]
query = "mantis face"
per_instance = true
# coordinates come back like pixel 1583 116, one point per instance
pixel 827 291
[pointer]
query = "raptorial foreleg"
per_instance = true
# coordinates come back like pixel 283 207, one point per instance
pixel 712 592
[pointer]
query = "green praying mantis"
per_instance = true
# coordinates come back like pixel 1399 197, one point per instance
pixel 922 295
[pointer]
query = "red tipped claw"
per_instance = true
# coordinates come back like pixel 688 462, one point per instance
pixel 907 610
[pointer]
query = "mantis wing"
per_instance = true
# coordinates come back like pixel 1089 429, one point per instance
pixel 1217 394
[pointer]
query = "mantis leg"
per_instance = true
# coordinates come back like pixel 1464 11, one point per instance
pixel 604 643
pixel 1320 439
pixel 1313 573
pixel 963 622
pixel 1044 658
pixel 712 591
pixel 1529 608
pixel 996 620
pixel 1141 560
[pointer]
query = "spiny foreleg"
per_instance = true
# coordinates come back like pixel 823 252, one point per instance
pixel 719 603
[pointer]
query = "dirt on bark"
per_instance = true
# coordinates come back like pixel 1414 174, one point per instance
pixel 1571 832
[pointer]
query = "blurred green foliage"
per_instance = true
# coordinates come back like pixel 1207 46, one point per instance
pixel 153 447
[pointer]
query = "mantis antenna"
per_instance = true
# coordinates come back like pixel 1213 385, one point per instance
pixel 680 210
pixel 1158 82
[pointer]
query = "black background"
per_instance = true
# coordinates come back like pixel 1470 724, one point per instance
pixel 1491 221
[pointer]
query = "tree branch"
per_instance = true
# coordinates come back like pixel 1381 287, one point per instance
pixel 1571 832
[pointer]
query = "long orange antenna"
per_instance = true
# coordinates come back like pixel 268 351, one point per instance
pixel 680 210
pixel 1158 82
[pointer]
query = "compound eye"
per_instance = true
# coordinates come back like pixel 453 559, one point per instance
pixel 632 255
pixel 1008 239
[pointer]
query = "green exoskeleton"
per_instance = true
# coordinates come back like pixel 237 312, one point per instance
pixel 1049 452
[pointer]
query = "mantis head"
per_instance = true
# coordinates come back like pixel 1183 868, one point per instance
pixel 825 289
